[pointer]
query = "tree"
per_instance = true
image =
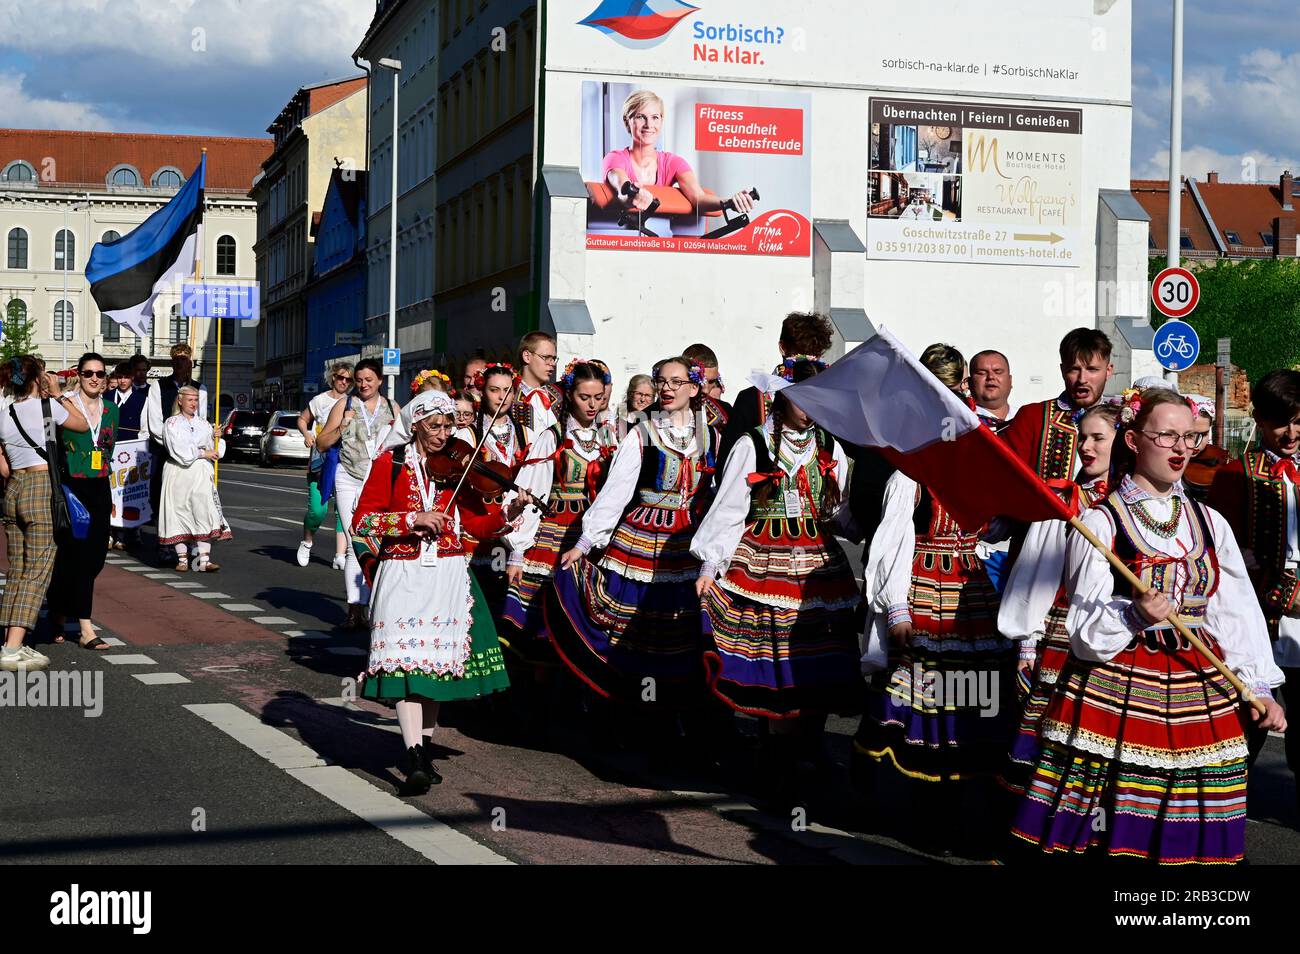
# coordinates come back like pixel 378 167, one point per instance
pixel 17 332
pixel 1256 303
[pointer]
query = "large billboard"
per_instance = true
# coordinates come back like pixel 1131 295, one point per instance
pixel 974 182
pixel 672 167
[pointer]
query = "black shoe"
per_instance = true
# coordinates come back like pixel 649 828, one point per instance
pixel 418 779
pixel 426 749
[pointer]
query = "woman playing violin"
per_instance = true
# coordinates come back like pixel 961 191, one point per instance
pixel 431 639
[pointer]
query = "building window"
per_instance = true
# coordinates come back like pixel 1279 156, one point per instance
pixel 1233 238
pixel 124 176
pixel 1267 237
pixel 1185 243
pixel 112 235
pixel 65 251
pixel 179 330
pixel 18 171
pixel 168 178
pixel 15 314
pixel 63 321
pixel 17 256
pixel 110 329
pixel 227 330
pixel 226 255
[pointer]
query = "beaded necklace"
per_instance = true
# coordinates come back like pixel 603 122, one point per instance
pixel 1165 528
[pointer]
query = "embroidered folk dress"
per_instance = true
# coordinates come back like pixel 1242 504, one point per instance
pixel 430 634
pixel 576 468
pixel 628 624
pixel 783 615
pixel 1140 729
pixel 191 509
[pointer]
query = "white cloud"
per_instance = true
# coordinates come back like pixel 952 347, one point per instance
pixel 21 111
pixel 189 32
pixel 1199 160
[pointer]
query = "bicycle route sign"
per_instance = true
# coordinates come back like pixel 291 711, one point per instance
pixel 1175 292
pixel 1176 345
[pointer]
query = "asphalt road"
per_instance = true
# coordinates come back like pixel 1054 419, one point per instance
pixel 230 733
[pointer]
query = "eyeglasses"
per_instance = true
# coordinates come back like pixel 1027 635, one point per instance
pixel 440 427
pixel 1192 440
pixel 672 384
pixel 342 377
pixel 548 358
pixel 94 374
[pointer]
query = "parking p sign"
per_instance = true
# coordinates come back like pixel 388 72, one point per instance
pixel 392 361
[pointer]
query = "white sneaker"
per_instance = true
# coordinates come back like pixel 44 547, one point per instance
pixel 304 553
pixel 340 561
pixel 25 658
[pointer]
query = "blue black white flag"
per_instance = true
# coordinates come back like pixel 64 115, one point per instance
pixel 127 275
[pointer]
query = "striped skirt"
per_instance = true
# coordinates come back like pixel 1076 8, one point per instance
pixel 557 533
pixel 945 708
pixel 1143 757
pixel 784 625
pixel 629 625
pixel 1053 654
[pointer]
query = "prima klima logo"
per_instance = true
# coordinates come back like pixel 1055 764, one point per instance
pixel 638 24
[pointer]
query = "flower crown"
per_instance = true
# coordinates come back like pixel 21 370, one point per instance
pixel 786 369
pixel 566 377
pixel 424 376
pixel 501 368
pixel 694 370
pixel 1131 400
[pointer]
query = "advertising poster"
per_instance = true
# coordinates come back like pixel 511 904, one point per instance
pixel 671 167
pixel 974 182
pixel 129 481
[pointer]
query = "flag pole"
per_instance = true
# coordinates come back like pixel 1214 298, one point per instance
pixel 198 276
pixel 1139 587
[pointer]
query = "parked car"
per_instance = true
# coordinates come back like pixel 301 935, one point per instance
pixel 282 441
pixel 242 432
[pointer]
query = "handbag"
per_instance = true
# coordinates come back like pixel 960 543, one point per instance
pixel 330 463
pixel 69 516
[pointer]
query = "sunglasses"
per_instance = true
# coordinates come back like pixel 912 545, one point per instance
pixel 342 377
pixel 94 374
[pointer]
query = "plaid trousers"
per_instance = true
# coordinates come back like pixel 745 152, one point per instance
pixel 29 533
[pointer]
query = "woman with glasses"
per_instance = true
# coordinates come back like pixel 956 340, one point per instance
pixel 310 423
pixel 88 459
pixel 636 403
pixel 627 622
pixel 431 640
pixel 1141 731
pixel 191 509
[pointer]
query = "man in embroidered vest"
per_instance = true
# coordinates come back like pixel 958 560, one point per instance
pixel 1259 496
pixel 1043 434
pixel 537 358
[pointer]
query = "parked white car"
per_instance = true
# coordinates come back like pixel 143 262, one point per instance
pixel 282 442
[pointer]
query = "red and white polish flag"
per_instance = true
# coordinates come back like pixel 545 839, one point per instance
pixel 879 395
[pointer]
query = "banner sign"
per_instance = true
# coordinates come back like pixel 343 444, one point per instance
pixel 129 480
pixel 217 300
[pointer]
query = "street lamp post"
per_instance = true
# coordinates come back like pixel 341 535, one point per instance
pixel 1174 237
pixel 396 67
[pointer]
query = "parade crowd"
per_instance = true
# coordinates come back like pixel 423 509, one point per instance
pixel 668 560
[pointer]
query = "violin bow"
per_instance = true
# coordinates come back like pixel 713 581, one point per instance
pixel 481 441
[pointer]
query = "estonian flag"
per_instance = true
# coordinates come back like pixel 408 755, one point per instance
pixel 127 275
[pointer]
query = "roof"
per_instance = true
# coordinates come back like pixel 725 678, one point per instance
pixel 324 95
pixel 1153 196
pixel 85 158
pixel 1246 208
pixel 351 192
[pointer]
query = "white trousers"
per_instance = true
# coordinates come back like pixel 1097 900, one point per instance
pixel 347 491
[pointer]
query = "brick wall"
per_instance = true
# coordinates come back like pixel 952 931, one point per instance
pixel 1200 378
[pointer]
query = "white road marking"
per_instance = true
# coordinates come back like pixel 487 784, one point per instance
pixel 437 841
pixel 240 524
pixel 283 490
pixel 241 607
pixel 184 585
pixel 131 660
pixel 307 634
pixel 161 576
pixel 212 596
pixel 273 620
pixel 137 567
pixel 294 523
pixel 160 678
pixel 112 641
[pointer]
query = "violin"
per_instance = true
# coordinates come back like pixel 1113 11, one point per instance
pixel 1202 468
pixel 458 461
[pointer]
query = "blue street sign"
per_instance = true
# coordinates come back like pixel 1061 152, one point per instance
pixel 392 361
pixel 1176 345
pixel 213 300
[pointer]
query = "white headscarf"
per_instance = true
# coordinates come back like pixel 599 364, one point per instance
pixel 402 430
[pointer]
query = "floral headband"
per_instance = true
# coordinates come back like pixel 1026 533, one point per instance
pixel 1131 400
pixel 567 376
pixel 694 370
pixel 431 373
pixel 786 370
pixel 480 377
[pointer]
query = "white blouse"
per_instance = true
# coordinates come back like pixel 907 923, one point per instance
pixel 1098 623
pixel 186 438
pixel 1286 651
pixel 720 531
pixel 603 516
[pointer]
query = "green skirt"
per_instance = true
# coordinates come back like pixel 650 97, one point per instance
pixel 485 669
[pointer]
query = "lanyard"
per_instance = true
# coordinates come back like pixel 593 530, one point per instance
pixel 94 428
pixel 427 494
pixel 369 419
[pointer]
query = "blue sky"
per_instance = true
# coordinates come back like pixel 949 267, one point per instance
pixel 226 67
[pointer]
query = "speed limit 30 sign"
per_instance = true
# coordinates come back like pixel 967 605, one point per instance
pixel 1175 292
